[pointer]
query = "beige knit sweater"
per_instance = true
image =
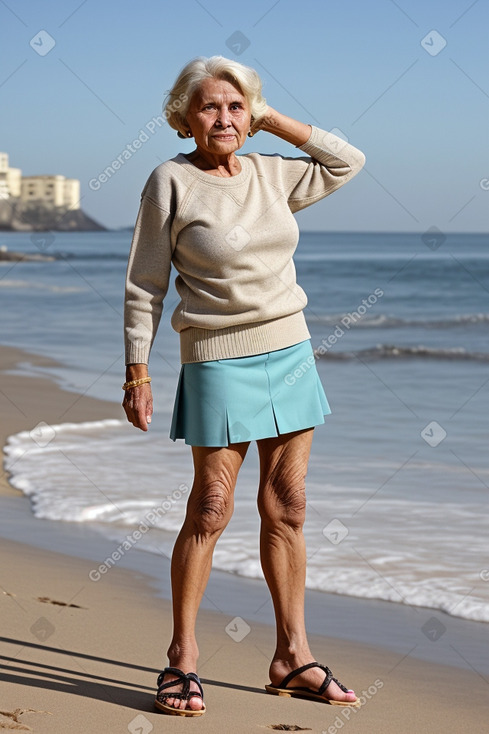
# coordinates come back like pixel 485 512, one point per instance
pixel 231 241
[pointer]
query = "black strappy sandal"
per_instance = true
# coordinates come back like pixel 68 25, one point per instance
pixel 308 693
pixel 184 695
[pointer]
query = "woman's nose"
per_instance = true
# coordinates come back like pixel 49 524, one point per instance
pixel 223 118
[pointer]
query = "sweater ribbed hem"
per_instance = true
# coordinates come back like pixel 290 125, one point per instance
pixel 246 340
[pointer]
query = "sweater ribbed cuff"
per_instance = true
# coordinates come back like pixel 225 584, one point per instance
pixel 138 341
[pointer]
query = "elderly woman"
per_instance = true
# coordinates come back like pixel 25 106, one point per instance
pixel 226 224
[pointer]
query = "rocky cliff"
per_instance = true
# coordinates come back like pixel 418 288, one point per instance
pixel 17 218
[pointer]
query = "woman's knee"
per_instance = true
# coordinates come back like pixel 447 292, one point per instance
pixel 283 503
pixel 210 506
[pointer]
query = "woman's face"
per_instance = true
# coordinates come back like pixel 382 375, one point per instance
pixel 219 117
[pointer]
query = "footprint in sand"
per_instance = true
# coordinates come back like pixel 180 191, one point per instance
pixel 47 600
pixel 11 720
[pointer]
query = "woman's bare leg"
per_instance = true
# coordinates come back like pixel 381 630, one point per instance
pixel 282 506
pixel 209 509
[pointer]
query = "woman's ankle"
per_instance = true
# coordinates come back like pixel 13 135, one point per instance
pixel 183 656
pixel 289 651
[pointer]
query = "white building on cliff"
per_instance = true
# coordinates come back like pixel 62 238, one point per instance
pixel 46 192
pixel 50 191
pixel 4 188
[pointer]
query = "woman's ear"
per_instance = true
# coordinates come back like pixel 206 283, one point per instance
pixel 254 127
pixel 187 131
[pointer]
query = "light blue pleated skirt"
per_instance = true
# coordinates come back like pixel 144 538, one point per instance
pixel 229 401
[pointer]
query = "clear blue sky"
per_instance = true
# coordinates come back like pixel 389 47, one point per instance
pixel 419 113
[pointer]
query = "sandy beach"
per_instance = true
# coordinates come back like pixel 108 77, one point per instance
pixel 83 656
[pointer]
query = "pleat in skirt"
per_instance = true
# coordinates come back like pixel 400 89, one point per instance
pixel 228 401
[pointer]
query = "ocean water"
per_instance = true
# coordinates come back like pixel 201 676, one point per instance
pixel 398 477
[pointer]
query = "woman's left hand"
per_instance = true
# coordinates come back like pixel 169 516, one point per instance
pixel 263 123
pixel 284 127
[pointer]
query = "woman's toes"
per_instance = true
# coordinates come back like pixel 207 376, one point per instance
pixel 334 693
pixel 175 703
pixel 195 703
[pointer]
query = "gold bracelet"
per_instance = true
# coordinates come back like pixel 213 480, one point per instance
pixel 136 383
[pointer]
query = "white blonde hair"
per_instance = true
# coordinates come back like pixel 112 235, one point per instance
pixel 244 78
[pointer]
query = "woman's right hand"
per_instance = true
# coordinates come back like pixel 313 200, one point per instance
pixel 138 401
pixel 138 405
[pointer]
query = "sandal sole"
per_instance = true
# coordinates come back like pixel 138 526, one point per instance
pixel 290 693
pixel 177 712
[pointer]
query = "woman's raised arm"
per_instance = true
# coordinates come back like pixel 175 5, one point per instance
pixel 294 132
